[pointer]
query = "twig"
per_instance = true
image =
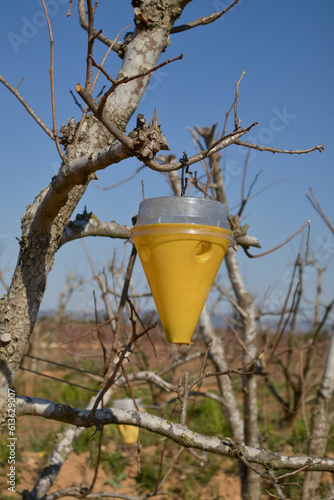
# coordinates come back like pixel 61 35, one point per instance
pixel 316 205
pixel 100 36
pixel 89 331
pixel 55 130
pixel 236 119
pixel 278 246
pixel 130 387
pixel 69 9
pixel 238 371
pixel 203 20
pixel 171 467
pixel 302 383
pixel 320 148
pixel 91 38
pixel 126 79
pixel 58 379
pixel 296 471
pixel 93 86
pixel 104 350
pixel 61 365
pixel 109 382
pixel 279 332
pixel 139 169
pixel 133 311
pixel 276 496
pixel 115 131
pixel 98 461
pixel 28 108
pixel 243 199
pixel 121 306
pixel 205 358
pixel 243 345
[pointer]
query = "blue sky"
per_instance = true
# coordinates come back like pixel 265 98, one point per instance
pixel 286 49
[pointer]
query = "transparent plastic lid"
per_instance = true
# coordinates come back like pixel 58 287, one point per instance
pixel 183 210
pixel 126 404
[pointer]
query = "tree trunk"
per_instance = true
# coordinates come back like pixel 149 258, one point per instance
pixel 320 423
pixel 42 227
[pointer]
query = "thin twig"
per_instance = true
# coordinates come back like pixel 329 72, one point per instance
pixel 57 379
pixel 104 350
pixel 236 119
pixel 139 169
pixel 279 332
pixel 130 387
pixel 98 461
pixel 171 467
pixel 243 345
pixel 55 130
pixel 61 365
pixel 243 199
pixel 127 79
pixel 319 148
pixel 93 86
pixel 278 246
pixel 203 20
pixel 84 25
pixel 109 382
pixel 91 38
pixel 69 9
pixel 89 331
pixel 316 205
pixel 296 471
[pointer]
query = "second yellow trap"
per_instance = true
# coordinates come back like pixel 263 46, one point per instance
pixel 180 261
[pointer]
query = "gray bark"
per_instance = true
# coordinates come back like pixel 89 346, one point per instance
pixel 45 219
pixel 178 433
pixel 320 423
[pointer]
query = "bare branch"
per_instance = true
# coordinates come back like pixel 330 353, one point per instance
pixel 53 103
pixel 203 20
pixel 28 108
pixel 91 226
pixel 139 169
pixel 316 205
pixel 274 150
pixel 79 492
pixel 127 79
pixel 280 245
pixel 99 35
pixel 129 144
pixel 236 119
pixel 176 432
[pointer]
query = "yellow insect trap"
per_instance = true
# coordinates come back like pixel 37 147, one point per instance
pixel 181 242
pixel 129 433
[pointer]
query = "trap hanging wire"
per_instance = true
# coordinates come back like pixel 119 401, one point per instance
pixel 185 170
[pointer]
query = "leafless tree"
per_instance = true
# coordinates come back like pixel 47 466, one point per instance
pixel 95 143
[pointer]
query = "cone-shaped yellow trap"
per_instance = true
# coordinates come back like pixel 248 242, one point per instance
pixel 129 433
pixel 181 242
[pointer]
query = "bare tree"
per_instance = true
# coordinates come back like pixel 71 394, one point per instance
pixel 93 144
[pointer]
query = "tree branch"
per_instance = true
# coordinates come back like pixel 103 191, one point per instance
pixel 278 246
pixel 28 108
pixel 90 225
pixel 176 432
pixel 99 35
pixel 274 150
pixel 316 205
pixel 202 21
pixel 52 84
